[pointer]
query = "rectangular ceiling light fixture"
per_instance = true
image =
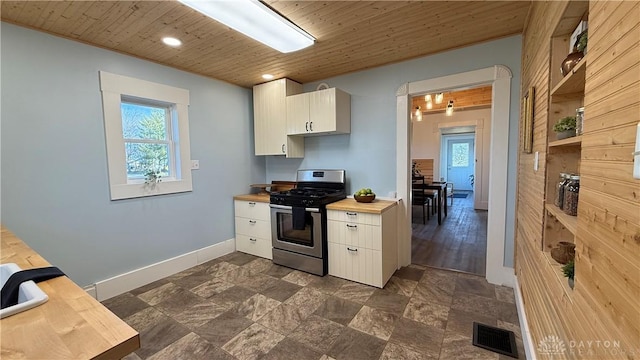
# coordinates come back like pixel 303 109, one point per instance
pixel 257 21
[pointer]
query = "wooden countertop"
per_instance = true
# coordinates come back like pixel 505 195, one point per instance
pixel 253 197
pixel 70 325
pixel 375 207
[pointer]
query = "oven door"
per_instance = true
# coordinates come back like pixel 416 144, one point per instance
pixel 305 238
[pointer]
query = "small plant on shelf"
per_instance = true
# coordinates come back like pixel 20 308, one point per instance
pixel 569 271
pixel 565 127
pixel 581 44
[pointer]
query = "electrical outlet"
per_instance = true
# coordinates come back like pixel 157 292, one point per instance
pixel 195 164
pixel 536 160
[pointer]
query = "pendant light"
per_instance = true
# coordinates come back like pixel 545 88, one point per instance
pixel 427 99
pixel 417 114
pixel 439 98
pixel 449 110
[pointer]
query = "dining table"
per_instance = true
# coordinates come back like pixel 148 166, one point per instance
pixel 440 187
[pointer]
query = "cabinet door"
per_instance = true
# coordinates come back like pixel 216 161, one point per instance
pixel 252 210
pixel 270 119
pixel 353 234
pixel 322 105
pixel 298 114
pixel 255 228
pixel 269 123
pixel 330 111
pixel 354 217
pixel 254 246
pixel 356 264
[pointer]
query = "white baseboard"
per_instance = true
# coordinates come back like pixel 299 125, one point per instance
pixel 501 276
pixel 91 290
pixel 524 325
pixel 122 283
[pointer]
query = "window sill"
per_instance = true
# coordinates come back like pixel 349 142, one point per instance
pixel 137 190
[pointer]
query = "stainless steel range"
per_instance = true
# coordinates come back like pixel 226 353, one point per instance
pixel 299 220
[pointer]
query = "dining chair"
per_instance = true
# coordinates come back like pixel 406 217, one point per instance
pixel 419 198
pixel 423 196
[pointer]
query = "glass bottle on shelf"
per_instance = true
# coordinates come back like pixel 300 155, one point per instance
pixel 571 191
pixel 579 121
pixel 559 199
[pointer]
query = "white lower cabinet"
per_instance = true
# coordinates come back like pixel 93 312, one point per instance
pixel 355 263
pixel 253 228
pixel 362 247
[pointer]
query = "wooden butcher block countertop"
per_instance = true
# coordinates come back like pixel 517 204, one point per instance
pixel 375 207
pixel 70 325
pixel 253 197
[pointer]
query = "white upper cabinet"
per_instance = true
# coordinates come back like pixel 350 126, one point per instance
pixel 298 114
pixel 270 119
pixel 321 112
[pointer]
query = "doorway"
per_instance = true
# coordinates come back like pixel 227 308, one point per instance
pixel 499 77
pixel 460 242
pixel 458 154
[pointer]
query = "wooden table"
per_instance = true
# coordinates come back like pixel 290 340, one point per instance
pixel 70 325
pixel 441 188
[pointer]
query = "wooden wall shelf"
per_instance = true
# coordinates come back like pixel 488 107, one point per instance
pixel 572 83
pixel 569 222
pixel 572 141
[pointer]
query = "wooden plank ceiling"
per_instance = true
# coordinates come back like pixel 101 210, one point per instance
pixel 467 99
pixel 351 35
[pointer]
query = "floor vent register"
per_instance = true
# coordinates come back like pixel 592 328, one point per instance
pixel 495 339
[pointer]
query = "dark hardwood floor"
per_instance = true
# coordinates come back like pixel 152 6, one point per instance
pixel 460 243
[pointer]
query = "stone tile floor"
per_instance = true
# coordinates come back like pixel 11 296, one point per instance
pixel 244 307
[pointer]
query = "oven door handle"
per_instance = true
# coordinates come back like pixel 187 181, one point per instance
pixel 284 207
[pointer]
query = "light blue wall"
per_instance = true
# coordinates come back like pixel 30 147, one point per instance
pixel 368 154
pixel 55 193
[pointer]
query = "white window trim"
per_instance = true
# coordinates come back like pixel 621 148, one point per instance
pixel 113 87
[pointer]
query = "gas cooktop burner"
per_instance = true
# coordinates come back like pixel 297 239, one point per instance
pixel 310 192
pixel 316 188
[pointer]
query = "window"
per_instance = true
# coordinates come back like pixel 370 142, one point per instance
pixel 148 139
pixel 147 130
pixel 460 154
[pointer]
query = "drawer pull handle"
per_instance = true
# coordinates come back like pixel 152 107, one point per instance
pixel 352 226
pixel 306 126
pixel 252 221
pixel 252 204
pixel 350 249
pixel 252 239
pixel 352 214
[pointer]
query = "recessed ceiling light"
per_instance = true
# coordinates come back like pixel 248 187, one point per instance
pixel 267 76
pixel 171 41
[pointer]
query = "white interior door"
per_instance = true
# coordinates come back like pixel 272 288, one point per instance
pixel 460 163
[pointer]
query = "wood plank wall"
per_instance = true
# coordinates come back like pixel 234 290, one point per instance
pixel 605 305
pixel 425 166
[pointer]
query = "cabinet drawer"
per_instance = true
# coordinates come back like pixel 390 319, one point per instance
pixel 255 228
pixel 354 217
pixel 252 210
pixel 354 234
pixel 254 246
pixel 356 264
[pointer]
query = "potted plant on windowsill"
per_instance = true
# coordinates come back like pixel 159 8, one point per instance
pixel 569 271
pixel 565 127
pixel 151 178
